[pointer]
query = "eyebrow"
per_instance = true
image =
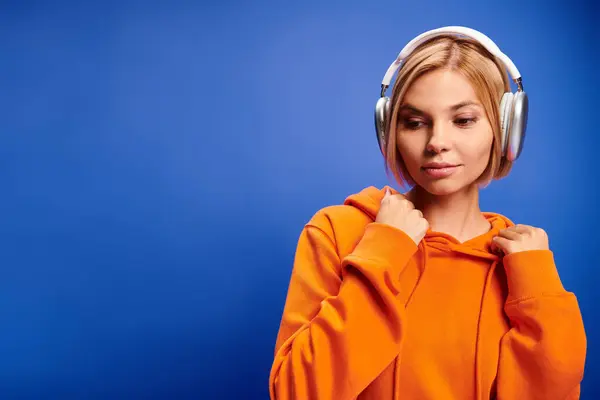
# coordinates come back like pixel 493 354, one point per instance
pixel 455 107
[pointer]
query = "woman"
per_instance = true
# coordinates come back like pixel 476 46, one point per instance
pixel 422 295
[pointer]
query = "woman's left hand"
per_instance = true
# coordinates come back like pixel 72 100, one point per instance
pixel 520 238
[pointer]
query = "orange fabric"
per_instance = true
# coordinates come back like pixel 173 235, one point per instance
pixel 370 315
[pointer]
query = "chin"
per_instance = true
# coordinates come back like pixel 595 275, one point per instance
pixel 442 187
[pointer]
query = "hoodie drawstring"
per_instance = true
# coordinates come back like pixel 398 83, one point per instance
pixel 423 248
pixel 488 282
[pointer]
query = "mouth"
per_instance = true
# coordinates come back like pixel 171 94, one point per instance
pixel 439 170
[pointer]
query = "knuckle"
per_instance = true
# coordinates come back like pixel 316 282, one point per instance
pixel 542 233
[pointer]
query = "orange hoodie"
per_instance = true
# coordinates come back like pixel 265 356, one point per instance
pixel 371 315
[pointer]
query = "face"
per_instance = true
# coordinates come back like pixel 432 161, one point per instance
pixel 443 134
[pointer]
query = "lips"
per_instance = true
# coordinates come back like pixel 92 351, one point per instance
pixel 438 165
pixel 440 170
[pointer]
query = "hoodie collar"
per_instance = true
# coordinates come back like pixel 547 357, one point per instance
pixel 369 199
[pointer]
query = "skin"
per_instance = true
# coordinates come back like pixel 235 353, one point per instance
pixel 442 120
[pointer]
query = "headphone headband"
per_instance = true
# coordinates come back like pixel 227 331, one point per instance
pixel 456 30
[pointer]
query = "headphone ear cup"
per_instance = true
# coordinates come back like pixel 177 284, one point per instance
pixel 506 105
pixel 518 125
pixel 382 110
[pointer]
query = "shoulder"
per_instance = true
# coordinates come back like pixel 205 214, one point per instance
pixel 357 208
pixel 344 225
pixel 335 215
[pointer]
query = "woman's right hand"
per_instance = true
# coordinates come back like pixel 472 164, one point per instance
pixel 396 210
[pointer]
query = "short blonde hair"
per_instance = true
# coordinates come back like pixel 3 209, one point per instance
pixel 486 74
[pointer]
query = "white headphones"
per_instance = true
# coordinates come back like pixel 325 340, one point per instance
pixel 513 106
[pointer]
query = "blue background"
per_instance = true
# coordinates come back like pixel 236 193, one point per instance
pixel 158 161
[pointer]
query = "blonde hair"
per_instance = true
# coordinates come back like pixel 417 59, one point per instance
pixel 486 74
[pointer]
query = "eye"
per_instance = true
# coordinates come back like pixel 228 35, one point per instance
pixel 412 123
pixel 465 122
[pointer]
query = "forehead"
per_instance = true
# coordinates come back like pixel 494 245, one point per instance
pixel 440 89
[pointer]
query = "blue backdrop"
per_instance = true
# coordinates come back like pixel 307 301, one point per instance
pixel 158 161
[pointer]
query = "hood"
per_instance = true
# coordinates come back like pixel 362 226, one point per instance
pixel 369 199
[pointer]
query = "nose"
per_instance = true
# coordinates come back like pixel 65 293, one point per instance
pixel 439 139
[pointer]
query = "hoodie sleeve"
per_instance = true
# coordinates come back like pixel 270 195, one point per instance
pixel 543 354
pixel 339 330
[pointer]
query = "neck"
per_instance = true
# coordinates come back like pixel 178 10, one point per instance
pixel 457 214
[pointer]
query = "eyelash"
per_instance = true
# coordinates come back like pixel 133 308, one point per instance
pixel 409 123
pixel 470 121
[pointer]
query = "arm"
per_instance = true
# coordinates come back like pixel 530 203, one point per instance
pixel 543 355
pixel 338 333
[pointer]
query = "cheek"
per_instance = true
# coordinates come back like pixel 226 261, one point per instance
pixel 481 154
pixel 410 149
pixel 480 150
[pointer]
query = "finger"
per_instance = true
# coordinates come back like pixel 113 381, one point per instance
pixel 399 195
pixel 522 228
pixel 386 193
pixel 407 202
pixel 501 243
pixel 494 247
pixel 509 234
